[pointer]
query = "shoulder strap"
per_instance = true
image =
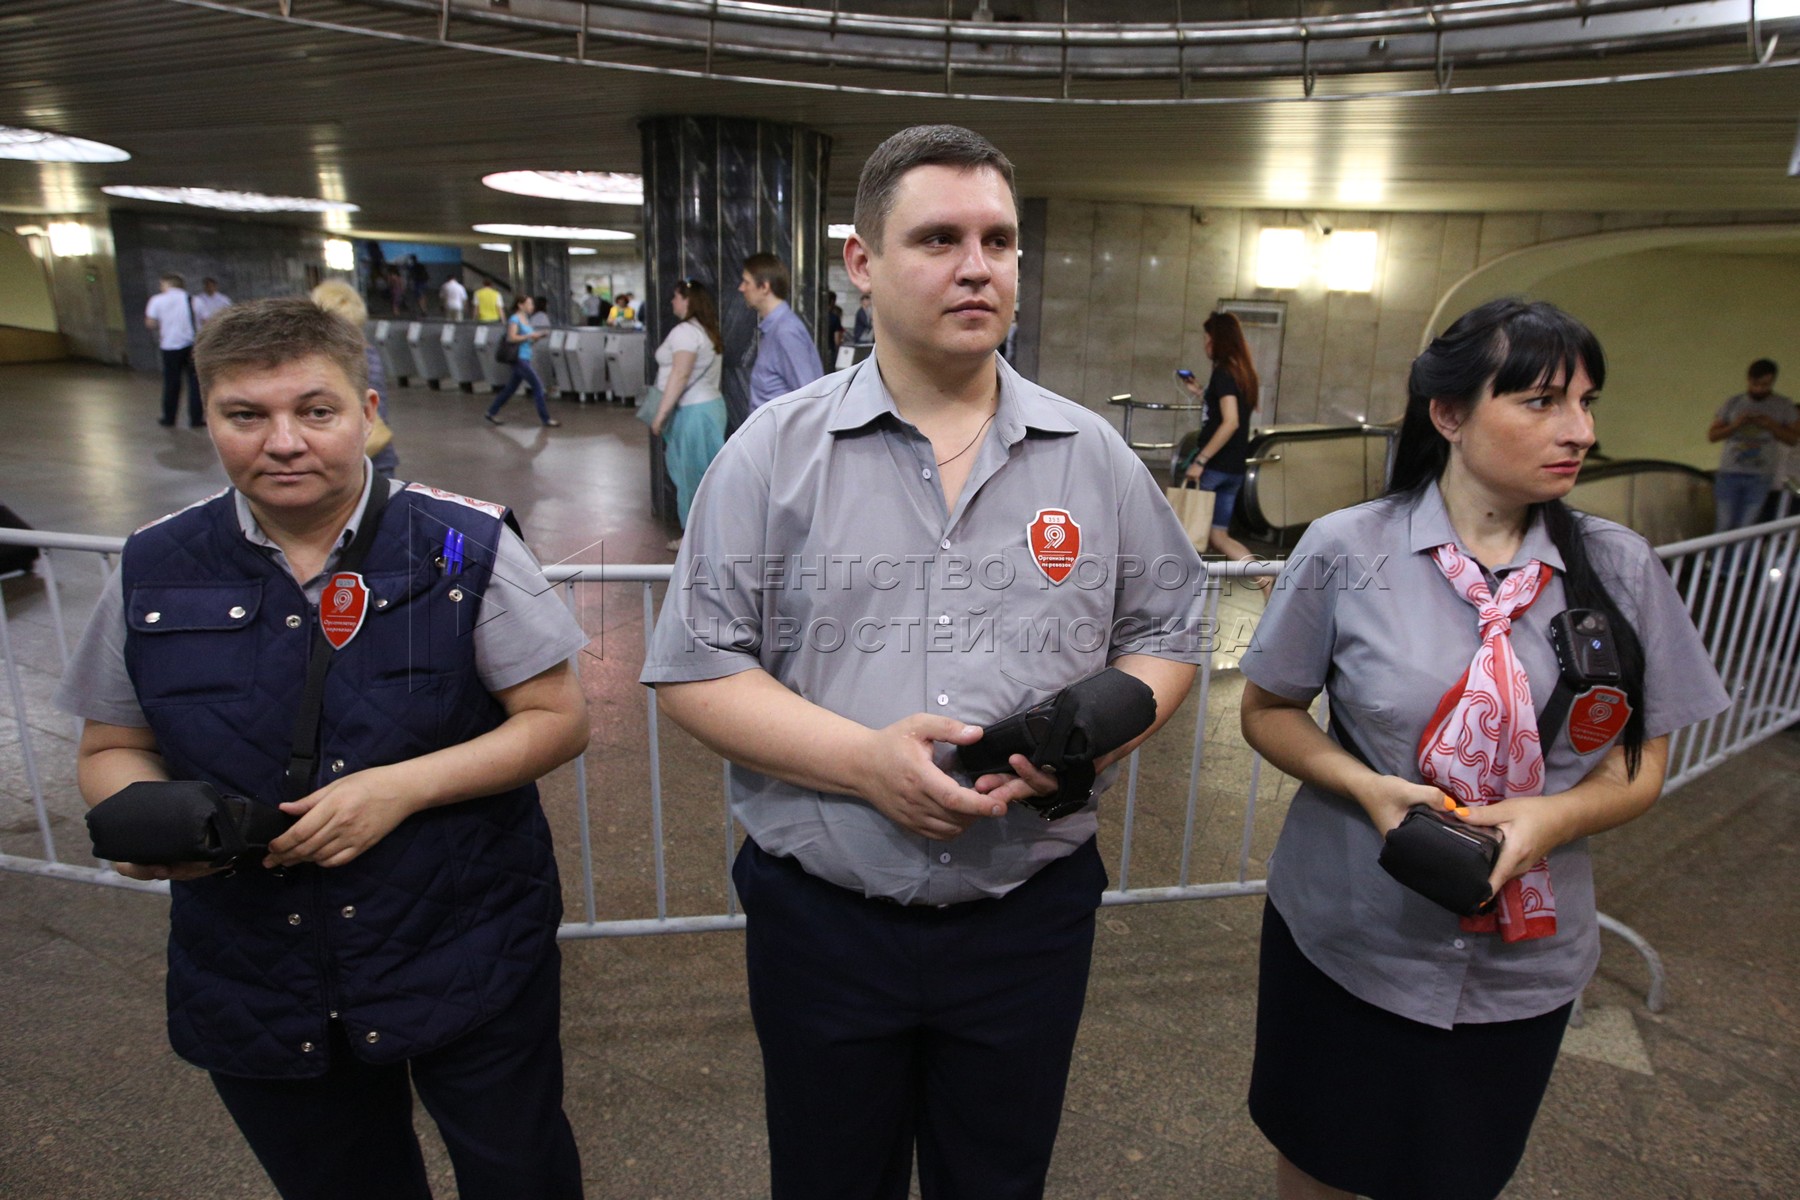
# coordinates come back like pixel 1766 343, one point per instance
pixel 303 761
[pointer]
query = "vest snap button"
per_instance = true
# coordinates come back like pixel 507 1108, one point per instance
pixel 293 918
pixel 236 613
pixel 306 1047
pixel 381 604
pixel 349 911
pixel 371 1037
pixel 152 618
pixel 456 593
pixel 293 622
pixel 337 765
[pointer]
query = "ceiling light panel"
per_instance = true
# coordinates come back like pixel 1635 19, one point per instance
pixel 587 187
pixel 255 202
pixel 39 145
pixel 565 233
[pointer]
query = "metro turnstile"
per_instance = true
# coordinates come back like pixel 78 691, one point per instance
pixel 459 353
pixel 584 349
pixel 553 368
pixel 625 363
pixel 425 345
pixel 389 340
pixel 486 338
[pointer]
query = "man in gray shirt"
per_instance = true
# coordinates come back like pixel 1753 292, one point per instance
pixel 875 567
pixel 1757 426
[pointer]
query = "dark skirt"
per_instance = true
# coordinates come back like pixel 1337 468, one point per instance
pixel 1385 1107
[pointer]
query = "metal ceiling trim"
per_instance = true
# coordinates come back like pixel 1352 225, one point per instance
pixel 1440 66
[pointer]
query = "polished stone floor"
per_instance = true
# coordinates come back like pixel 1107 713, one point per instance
pixel 1697 1102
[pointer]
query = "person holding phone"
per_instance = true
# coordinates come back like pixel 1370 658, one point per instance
pixel 1402 1050
pixel 1218 463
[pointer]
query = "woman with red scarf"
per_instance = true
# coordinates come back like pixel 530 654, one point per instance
pixel 1402 1050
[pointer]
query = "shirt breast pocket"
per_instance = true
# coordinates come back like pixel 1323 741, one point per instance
pixel 1051 634
pixel 194 642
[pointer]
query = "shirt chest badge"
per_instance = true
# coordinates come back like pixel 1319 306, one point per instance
pixel 342 608
pixel 1596 718
pixel 1055 541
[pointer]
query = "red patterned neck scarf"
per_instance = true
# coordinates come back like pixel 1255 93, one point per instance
pixel 1482 743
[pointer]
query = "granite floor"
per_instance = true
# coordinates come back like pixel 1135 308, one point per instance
pixel 1699 1101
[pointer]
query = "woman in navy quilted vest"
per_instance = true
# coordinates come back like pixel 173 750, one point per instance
pixel 380 672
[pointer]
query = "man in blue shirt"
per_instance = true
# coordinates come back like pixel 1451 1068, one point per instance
pixel 786 358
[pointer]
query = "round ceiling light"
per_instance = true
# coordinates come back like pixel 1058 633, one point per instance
pixel 840 232
pixel 588 187
pixel 502 247
pixel 582 250
pixel 38 145
pixel 563 232
pixel 231 201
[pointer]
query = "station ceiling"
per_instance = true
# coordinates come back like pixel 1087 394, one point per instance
pixel 211 97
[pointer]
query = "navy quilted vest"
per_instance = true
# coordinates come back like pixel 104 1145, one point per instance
pixel 434 929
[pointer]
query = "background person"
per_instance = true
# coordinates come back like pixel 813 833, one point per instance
pixel 401 934
pixel 1218 463
pixel 786 357
pixel 519 331
pixel 340 299
pixel 918 946
pixel 1757 426
pixel 170 317
pixel 455 298
pixel 1402 1052
pixel 690 412
pixel 487 302
pixel 209 303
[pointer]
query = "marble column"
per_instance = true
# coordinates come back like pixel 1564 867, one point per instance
pixel 717 190
pixel 541 268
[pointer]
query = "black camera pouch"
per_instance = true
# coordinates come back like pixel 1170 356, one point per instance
pixel 164 822
pixel 1442 859
pixel 1066 733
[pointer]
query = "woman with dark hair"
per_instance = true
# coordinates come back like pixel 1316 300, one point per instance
pixel 519 331
pixel 1402 1050
pixel 689 407
pixel 1217 463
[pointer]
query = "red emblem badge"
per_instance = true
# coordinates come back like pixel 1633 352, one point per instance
pixel 342 608
pixel 1055 543
pixel 1596 718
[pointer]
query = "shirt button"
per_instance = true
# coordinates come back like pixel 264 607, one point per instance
pixel 1459 943
pixel 371 1037
pixel 236 613
pixel 927 472
pixel 944 545
pixel 293 622
pixel 293 918
pixel 944 857
pixel 943 698
pixel 306 1047
pixel 152 618
pixel 348 911
pixel 943 618
pixel 337 765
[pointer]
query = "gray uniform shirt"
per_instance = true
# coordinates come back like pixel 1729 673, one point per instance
pixel 1362 611
pixel 820 550
pixel 523 628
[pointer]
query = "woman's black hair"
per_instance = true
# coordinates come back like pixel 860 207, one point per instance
pixel 1507 346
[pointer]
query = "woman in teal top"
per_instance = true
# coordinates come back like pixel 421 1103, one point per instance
pixel 520 332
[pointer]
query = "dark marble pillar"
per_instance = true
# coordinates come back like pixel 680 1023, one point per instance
pixel 717 190
pixel 541 268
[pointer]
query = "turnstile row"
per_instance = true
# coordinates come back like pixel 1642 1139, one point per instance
pixel 583 361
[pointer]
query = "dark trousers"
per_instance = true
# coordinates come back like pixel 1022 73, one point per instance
pixel 886 1028
pixel 522 372
pixel 175 365
pixel 495 1093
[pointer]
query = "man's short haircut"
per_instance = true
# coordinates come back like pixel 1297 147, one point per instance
pixel 919 146
pixel 174 280
pixel 769 271
pixel 262 335
pixel 1764 368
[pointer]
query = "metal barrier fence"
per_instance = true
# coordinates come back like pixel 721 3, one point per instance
pixel 1740 588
